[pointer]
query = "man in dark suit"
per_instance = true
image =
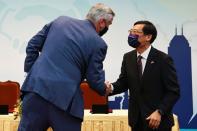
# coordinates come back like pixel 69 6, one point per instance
pixel 151 79
pixel 60 56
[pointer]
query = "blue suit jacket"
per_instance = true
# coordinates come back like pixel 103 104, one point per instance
pixel 61 55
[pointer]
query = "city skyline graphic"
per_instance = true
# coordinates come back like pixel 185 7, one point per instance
pixel 180 51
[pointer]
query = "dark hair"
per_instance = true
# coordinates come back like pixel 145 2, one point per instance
pixel 149 29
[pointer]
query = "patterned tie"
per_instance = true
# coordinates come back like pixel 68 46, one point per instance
pixel 139 65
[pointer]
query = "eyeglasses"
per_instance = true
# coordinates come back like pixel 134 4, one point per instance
pixel 134 31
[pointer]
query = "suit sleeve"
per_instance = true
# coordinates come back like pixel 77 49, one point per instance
pixel 34 47
pixel 121 85
pixel 95 74
pixel 172 90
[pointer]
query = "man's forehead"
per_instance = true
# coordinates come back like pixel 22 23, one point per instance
pixel 138 26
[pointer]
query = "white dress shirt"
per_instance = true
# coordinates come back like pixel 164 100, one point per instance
pixel 144 57
pixel 144 60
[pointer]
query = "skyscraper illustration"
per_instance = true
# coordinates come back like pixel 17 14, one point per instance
pixel 115 104
pixel 180 51
pixel 125 104
pixel 121 102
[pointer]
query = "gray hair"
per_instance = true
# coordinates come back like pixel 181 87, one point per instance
pixel 99 11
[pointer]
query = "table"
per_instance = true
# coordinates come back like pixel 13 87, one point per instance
pixel 116 121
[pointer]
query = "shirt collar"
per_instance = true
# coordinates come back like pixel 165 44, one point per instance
pixel 145 53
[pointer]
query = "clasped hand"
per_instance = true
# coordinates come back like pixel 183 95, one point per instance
pixel 108 88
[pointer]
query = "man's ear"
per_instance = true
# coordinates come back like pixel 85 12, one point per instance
pixel 98 25
pixel 102 23
pixel 148 37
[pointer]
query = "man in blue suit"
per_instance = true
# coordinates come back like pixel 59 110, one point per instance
pixel 60 56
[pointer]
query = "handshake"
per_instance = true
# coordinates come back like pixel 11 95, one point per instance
pixel 108 88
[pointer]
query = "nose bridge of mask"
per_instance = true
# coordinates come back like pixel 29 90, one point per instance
pixel 134 36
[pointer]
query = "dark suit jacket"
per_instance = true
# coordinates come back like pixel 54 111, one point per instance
pixel 59 57
pixel 157 89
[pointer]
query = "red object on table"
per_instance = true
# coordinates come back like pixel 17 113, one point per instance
pixel 9 94
pixel 91 97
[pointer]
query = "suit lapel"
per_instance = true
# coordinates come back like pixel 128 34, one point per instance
pixel 132 67
pixel 132 63
pixel 149 63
